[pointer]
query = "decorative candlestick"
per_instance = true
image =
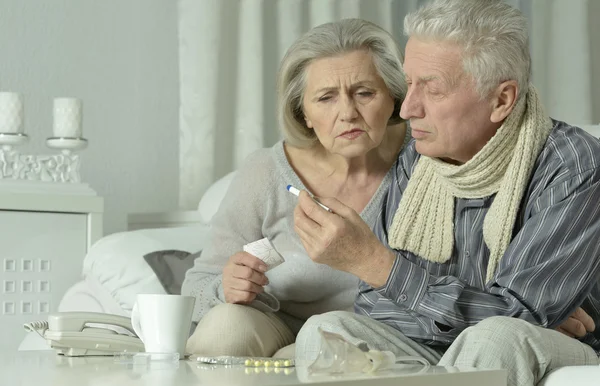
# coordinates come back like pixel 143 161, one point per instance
pixel 11 122
pixel 11 113
pixel 67 126
pixel 67 138
pixel 67 118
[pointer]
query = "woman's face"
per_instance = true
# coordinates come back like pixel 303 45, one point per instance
pixel 347 103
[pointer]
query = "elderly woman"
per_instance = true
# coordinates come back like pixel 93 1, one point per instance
pixel 340 89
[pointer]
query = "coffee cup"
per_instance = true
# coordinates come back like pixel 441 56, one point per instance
pixel 163 322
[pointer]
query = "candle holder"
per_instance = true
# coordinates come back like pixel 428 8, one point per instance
pixel 64 167
pixel 8 156
pixel 67 138
pixel 8 140
pixel 67 145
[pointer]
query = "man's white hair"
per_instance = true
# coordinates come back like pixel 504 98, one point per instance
pixel 493 36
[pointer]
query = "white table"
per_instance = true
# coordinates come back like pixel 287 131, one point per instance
pixel 47 368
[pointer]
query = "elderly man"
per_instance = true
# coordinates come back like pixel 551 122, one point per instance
pixel 489 237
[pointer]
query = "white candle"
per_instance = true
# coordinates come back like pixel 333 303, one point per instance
pixel 11 112
pixel 67 118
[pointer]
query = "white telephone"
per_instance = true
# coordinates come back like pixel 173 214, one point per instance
pixel 87 333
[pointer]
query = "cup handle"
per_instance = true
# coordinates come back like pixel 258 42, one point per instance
pixel 135 322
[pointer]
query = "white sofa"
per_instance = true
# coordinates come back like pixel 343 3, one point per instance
pixel 114 272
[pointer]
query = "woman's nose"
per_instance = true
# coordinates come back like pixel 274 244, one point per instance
pixel 348 110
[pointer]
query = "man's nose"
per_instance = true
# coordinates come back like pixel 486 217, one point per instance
pixel 412 106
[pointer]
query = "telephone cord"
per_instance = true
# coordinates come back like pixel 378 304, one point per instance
pixel 36 327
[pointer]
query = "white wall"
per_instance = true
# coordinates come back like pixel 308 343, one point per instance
pixel 121 58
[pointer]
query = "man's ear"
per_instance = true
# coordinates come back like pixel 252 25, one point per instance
pixel 503 100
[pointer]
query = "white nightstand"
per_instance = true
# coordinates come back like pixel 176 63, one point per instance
pixel 45 231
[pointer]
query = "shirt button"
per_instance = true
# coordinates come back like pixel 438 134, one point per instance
pixel 403 298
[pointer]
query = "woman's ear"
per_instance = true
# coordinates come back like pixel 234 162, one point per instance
pixel 308 122
pixel 503 100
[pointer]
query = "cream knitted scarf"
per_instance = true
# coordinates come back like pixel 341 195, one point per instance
pixel 424 221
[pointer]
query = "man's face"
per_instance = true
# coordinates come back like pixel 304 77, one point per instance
pixel 447 117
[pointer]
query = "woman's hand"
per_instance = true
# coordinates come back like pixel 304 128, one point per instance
pixel 578 324
pixel 243 278
pixel 341 240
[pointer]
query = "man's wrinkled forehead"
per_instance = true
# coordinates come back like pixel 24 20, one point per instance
pixel 427 61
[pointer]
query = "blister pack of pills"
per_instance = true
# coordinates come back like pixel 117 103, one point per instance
pixel 245 361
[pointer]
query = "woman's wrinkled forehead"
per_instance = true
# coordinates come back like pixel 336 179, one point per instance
pixel 345 70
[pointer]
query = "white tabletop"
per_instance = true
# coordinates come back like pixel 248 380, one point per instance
pixel 47 368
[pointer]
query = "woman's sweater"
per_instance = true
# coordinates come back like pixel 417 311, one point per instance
pixel 257 205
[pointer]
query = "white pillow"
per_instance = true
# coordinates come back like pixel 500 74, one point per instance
pixel 117 261
pixel 211 200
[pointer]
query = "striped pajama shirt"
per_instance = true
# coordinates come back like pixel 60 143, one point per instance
pixel 551 267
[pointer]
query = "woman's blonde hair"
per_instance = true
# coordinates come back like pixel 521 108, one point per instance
pixel 328 40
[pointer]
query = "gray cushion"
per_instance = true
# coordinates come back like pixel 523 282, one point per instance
pixel 170 267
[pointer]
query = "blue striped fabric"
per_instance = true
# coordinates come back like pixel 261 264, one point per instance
pixel 551 267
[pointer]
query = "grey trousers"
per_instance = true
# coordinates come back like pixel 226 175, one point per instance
pixel 526 351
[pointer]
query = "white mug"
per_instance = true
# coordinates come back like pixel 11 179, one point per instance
pixel 163 322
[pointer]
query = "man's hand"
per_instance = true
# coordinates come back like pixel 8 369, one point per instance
pixel 341 240
pixel 243 278
pixel 578 324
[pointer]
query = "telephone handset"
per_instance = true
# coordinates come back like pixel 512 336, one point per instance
pixel 87 333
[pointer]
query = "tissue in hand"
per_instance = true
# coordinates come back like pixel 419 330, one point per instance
pixel 264 250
